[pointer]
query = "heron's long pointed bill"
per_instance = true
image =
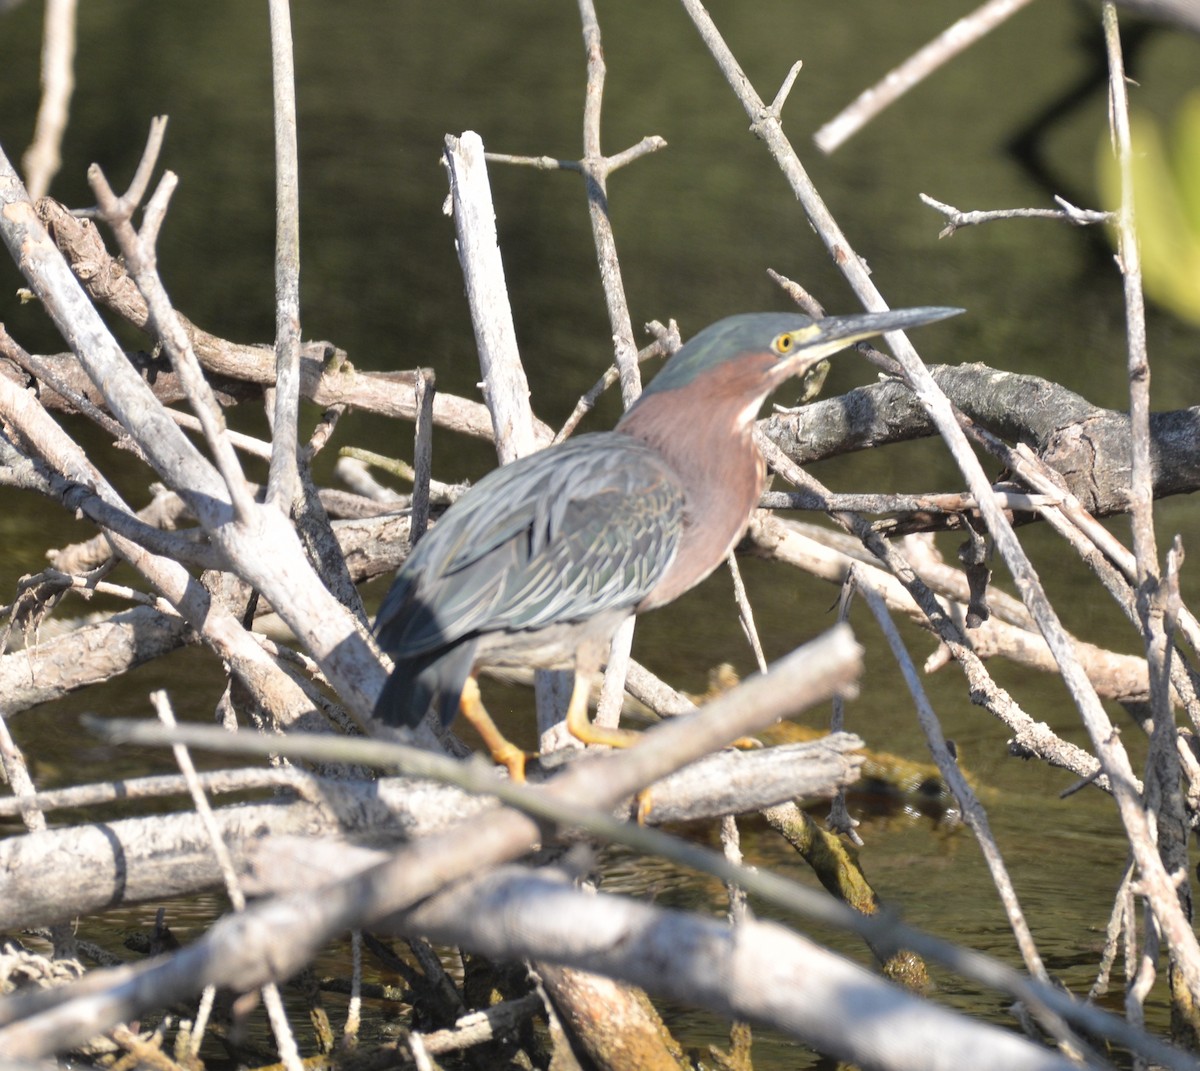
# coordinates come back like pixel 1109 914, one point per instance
pixel 834 333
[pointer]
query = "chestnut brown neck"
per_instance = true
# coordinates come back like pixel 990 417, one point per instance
pixel 705 433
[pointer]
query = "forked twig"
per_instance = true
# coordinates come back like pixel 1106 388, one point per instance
pixel 141 258
pixel 956 218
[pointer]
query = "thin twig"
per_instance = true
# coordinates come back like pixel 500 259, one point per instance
pixel 203 1011
pixel 612 687
pixel 248 444
pixel 665 343
pixel 288 1053
pixel 1163 773
pixel 44 156
pixel 354 1005
pixel 1141 493
pixel 162 785
pixel 1069 213
pixel 541 163
pixel 964 33
pixel 595 171
pixel 739 907
pixel 972 811
pixel 933 502
pixel 422 454
pixel 840 820
pixel 746 612
pixel 352 468
pixel 1112 935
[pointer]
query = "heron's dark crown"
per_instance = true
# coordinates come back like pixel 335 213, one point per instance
pixel 726 340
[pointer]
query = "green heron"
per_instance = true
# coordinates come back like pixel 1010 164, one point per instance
pixel 542 560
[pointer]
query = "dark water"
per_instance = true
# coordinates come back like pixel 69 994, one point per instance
pixel 697 225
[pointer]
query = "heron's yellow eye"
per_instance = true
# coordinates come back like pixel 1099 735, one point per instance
pixel 783 344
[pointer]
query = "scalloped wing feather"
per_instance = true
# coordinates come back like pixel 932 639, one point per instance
pixel 582 527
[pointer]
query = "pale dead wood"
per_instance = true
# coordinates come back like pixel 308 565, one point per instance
pixel 44 156
pixel 162 785
pixel 285 1041
pixel 488 1024
pixel 217 627
pixel 1029 735
pixel 756 971
pixel 283 483
pixel 667 952
pixel 831 556
pixel 97 652
pixel 283 575
pixel 1087 445
pixel 1164 795
pixel 252 946
pixel 138 249
pixel 76 870
pixel 58 472
pixel 948 44
pixel 457 922
pixel 975 815
pixel 505 387
pixel 1158 884
pixel 1069 213
pixel 596 168
pixel 326 378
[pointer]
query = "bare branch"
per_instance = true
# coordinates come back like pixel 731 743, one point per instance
pixel 506 389
pixel 596 169
pixel 141 257
pixel 948 44
pixel 283 483
pixel 43 157
pixel 956 217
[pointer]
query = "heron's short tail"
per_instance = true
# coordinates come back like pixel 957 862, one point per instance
pixel 433 680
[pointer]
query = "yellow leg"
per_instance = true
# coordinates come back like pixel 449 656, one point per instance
pixel 582 728
pixel 503 751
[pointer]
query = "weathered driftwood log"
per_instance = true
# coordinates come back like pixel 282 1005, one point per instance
pixel 62 873
pixel 755 971
pixel 1087 445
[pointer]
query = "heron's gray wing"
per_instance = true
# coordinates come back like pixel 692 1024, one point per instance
pixel 585 526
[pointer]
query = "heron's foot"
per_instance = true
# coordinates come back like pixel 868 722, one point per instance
pixel 747 743
pixel 643 805
pixel 513 759
pixel 580 726
pixel 503 751
pixel 589 733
